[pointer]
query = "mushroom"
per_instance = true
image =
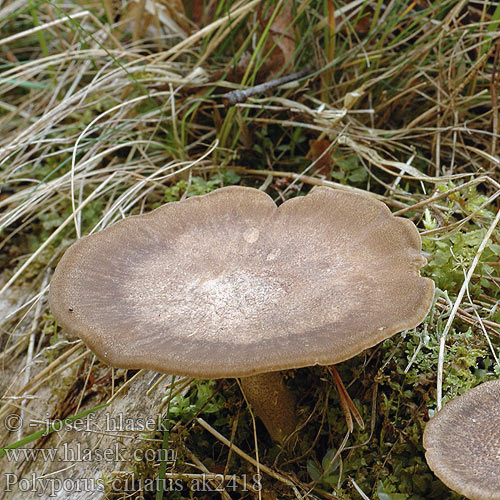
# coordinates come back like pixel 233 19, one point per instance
pixel 229 285
pixel 462 443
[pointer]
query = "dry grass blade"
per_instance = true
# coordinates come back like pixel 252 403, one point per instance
pixel 249 459
pixel 348 406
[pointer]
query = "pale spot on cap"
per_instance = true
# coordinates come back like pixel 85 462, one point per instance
pixel 251 235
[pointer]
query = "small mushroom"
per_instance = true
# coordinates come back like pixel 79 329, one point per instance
pixel 230 285
pixel 462 443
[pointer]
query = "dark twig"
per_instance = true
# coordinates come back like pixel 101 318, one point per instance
pixel 237 96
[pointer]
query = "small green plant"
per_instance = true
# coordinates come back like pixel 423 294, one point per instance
pixel 326 473
pixel 201 398
pixel 199 185
pixel 349 170
pixel 385 491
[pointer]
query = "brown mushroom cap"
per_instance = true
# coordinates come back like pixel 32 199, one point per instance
pixel 229 285
pixel 462 443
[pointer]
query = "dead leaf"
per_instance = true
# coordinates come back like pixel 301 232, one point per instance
pixel 318 152
pixel 200 12
pixel 281 43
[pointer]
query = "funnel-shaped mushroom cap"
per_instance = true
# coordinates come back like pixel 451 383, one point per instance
pixel 227 284
pixel 463 443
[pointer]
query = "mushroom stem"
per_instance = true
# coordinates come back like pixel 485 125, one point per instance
pixel 273 403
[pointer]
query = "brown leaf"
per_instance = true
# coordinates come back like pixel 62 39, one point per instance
pixel 364 23
pixel 281 43
pixel 200 12
pixel 317 152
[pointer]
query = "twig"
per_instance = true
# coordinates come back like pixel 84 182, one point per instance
pixel 248 458
pixel 237 96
